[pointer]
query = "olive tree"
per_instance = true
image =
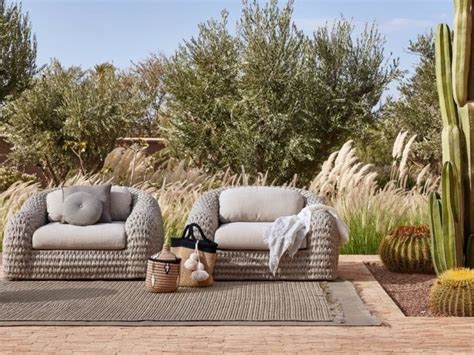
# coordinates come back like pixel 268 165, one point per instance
pixel 269 98
pixel 417 109
pixel 70 118
pixel 17 50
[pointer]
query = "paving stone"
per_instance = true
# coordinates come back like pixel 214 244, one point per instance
pixel 399 334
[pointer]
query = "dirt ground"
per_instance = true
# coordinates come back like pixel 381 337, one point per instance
pixel 409 291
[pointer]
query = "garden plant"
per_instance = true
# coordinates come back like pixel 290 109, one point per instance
pixel 267 102
pixel 407 249
pixel 453 293
pixel 452 216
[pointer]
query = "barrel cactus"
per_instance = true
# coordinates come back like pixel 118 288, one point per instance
pixel 452 213
pixel 407 250
pixel 453 293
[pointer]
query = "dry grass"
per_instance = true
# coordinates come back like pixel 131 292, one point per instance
pixel 12 199
pixel 349 185
pixel 372 211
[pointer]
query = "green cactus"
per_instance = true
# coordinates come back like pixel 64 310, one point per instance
pixel 452 216
pixel 453 293
pixel 462 50
pixel 407 250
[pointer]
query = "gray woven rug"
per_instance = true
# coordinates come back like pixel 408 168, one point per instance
pixel 226 303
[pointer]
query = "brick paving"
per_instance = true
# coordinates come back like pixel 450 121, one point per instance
pixel 399 334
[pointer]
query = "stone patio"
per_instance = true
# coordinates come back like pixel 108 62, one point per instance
pixel 398 334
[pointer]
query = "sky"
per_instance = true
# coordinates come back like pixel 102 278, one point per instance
pixel 87 32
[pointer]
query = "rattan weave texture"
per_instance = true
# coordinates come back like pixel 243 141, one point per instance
pixel 144 229
pixel 317 262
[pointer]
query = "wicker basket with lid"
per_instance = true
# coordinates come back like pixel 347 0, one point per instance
pixel 162 271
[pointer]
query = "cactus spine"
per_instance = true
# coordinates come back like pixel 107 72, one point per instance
pixel 453 294
pixel 452 216
pixel 407 249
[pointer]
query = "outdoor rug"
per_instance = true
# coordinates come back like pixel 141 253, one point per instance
pixel 226 303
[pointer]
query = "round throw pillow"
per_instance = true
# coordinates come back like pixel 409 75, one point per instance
pixel 81 209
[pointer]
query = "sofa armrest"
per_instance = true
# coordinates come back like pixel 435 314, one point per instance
pixel 324 233
pixel 205 212
pixel 144 226
pixel 311 198
pixel 17 241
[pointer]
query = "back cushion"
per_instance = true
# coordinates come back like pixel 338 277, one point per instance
pixel 258 204
pixel 120 204
pixel 54 205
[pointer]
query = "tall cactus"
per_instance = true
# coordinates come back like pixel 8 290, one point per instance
pixel 452 216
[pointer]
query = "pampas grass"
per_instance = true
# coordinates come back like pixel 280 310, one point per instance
pixel 371 211
pixel 12 199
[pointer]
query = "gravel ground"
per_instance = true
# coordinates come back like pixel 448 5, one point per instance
pixel 409 291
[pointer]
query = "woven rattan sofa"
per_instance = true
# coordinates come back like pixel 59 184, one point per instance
pixel 143 236
pixel 318 260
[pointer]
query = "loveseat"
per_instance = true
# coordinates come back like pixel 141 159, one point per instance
pixel 236 218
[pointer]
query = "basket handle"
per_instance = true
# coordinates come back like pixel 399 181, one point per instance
pixel 188 232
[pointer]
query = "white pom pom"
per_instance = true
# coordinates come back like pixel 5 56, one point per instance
pixel 200 266
pixel 190 264
pixel 194 256
pixel 199 275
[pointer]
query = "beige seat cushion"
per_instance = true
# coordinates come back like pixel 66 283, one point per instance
pixel 258 204
pixel 102 236
pixel 243 236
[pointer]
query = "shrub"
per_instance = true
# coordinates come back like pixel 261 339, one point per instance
pixel 453 293
pixel 270 98
pixel 407 250
pixel 417 111
pixel 69 120
pixel 18 51
pixel 10 175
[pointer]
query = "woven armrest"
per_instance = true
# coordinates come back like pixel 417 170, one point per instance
pixel 205 212
pixel 144 226
pixel 17 242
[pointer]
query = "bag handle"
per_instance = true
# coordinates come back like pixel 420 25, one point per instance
pixel 188 232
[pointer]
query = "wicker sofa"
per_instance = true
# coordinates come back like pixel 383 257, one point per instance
pixel 142 232
pixel 317 261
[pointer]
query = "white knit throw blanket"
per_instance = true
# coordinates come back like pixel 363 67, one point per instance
pixel 287 233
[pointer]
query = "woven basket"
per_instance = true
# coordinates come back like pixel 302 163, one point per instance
pixel 185 246
pixel 162 272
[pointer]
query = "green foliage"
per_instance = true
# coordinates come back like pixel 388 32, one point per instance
pixel 10 175
pixel 407 250
pixel 70 118
pixel 270 98
pixel 366 227
pixel 201 82
pixel 415 111
pixel 453 294
pixel 148 77
pixel 17 51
